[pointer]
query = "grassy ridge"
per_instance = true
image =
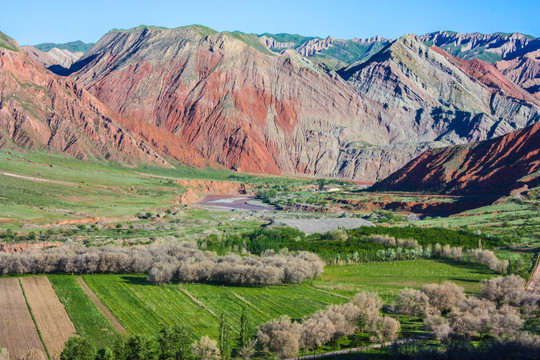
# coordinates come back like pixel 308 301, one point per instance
pixel 86 317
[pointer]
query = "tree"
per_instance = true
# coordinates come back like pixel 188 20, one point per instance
pixel 105 354
pixel 206 349
pixel 224 338
pixel 281 336
pixel 247 350
pixel 370 304
pixel 443 297
pixel 507 290
pixel 79 348
pixel 412 302
pixel 175 343
pixel 245 329
pixel 142 347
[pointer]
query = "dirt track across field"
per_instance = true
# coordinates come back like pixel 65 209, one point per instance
pixel 31 178
pixel 534 280
pixel 100 305
pixel 18 332
pixel 50 315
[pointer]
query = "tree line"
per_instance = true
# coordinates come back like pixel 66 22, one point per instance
pixel 166 262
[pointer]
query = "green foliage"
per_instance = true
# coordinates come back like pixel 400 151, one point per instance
pixel 334 246
pixel 225 346
pixel 105 354
pixel 246 332
pixel 79 348
pixel 176 343
pixel 143 347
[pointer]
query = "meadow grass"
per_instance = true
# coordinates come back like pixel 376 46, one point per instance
pixel 388 278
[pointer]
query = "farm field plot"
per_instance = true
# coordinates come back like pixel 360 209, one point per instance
pixel 50 315
pixel 87 318
pixel 144 308
pixel 18 332
pixel 388 278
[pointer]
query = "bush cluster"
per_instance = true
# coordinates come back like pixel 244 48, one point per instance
pixel 499 312
pixel 285 337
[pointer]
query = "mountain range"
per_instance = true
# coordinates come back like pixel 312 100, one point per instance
pixel 283 104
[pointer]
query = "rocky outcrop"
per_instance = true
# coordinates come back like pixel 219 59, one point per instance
pixel 316 45
pixel 273 44
pixel 489 47
pixel 39 110
pixel 455 100
pixel 523 71
pixel 214 187
pixel 55 56
pixel 492 167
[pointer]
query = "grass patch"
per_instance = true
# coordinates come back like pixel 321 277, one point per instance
pixel 388 278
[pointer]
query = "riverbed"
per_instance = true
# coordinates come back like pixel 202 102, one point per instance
pixel 234 202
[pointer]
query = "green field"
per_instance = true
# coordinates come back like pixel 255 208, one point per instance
pixel 144 308
pixel 87 318
pixel 387 278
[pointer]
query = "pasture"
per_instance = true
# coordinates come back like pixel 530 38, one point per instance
pixel 388 278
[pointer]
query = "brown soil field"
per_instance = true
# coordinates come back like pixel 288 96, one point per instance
pixel 18 332
pixel 50 315
pixel 100 305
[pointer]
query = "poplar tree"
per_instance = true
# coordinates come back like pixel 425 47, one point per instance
pixel 225 338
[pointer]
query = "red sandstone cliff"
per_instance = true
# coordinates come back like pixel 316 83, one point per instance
pixel 492 167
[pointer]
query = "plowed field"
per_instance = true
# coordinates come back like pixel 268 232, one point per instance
pixel 50 315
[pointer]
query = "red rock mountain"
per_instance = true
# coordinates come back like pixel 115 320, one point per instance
pixel 241 105
pixel 39 110
pixel 524 71
pixel 490 167
pixel 245 107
